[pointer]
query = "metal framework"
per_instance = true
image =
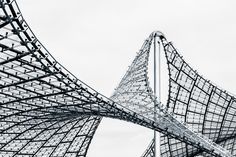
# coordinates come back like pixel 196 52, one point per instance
pixel 202 106
pixel 198 103
pixel 47 111
pixel 31 82
pixel 150 152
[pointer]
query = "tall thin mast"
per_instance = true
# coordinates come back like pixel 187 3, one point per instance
pixel 159 76
pixel 155 85
pixel 154 45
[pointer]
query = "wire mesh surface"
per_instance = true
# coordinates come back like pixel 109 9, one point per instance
pixel 198 103
pixel 29 85
pixel 132 93
pixel 46 111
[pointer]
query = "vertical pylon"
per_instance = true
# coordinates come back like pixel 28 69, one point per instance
pixel 157 54
pixel 155 94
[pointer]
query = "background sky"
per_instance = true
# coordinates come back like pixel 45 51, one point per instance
pixel 98 39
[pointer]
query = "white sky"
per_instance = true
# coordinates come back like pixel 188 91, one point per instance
pixel 97 40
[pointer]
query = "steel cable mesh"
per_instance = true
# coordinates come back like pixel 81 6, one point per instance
pixel 126 96
pixel 46 137
pixel 35 86
pixel 133 91
pixel 38 93
pixel 28 89
pixel 198 103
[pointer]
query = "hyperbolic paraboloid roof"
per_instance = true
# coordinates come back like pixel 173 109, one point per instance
pixel 47 111
pixel 204 107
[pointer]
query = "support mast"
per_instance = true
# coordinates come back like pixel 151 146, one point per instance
pixel 154 44
pixel 155 86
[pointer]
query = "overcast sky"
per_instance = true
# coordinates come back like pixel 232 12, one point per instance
pixel 97 40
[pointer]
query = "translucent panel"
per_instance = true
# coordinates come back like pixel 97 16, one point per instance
pixel 195 101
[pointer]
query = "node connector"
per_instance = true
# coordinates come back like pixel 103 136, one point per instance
pixel 158 34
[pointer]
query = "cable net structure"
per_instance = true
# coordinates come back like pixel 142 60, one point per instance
pixel 198 103
pixel 47 111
